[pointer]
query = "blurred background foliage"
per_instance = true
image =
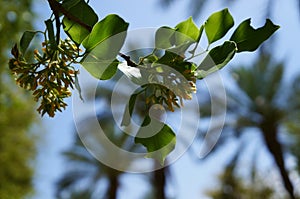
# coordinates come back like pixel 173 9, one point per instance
pixel 233 186
pixel 196 6
pixel 17 112
pixel 261 106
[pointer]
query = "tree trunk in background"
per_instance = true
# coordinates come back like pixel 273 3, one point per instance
pixel 271 140
pixel 159 183
pixel 113 186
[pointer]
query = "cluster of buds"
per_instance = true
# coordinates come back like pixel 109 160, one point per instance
pixel 171 93
pixel 170 82
pixel 50 76
pixel 159 94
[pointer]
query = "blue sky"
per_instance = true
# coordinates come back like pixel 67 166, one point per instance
pixel 190 177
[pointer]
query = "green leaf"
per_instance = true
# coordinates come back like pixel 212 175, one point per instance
pixel 100 69
pixel 163 37
pixel 216 59
pixel 129 108
pixel 186 31
pixel 77 86
pixel 25 40
pixel 249 39
pixel 159 140
pixel 84 13
pixel 196 46
pixel 217 25
pixel 175 61
pixel 103 45
pixel 51 34
pixel 110 26
pixel 67 4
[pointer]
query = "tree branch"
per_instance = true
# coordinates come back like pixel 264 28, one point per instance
pixel 271 140
pixel 128 60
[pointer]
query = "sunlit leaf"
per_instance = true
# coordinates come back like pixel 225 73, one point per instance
pixel 157 137
pixel 186 31
pixel 110 26
pixel 103 45
pixel 217 25
pixel 249 39
pixel 216 59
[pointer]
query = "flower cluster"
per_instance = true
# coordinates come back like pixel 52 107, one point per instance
pixel 171 93
pixel 171 80
pixel 51 75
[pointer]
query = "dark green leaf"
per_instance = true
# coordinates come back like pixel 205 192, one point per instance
pixel 84 13
pixel 217 25
pixel 163 37
pixel 157 137
pixel 100 69
pixel 129 109
pixel 175 61
pixel 249 39
pixel 216 59
pixel 51 34
pixel 67 4
pixel 77 86
pixel 110 26
pixel 186 31
pixel 25 40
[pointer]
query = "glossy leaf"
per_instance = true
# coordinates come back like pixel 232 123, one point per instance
pixel 249 39
pixel 110 26
pixel 161 143
pixel 25 40
pixel 84 13
pixel 103 45
pixel 217 25
pixel 216 59
pixel 186 31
